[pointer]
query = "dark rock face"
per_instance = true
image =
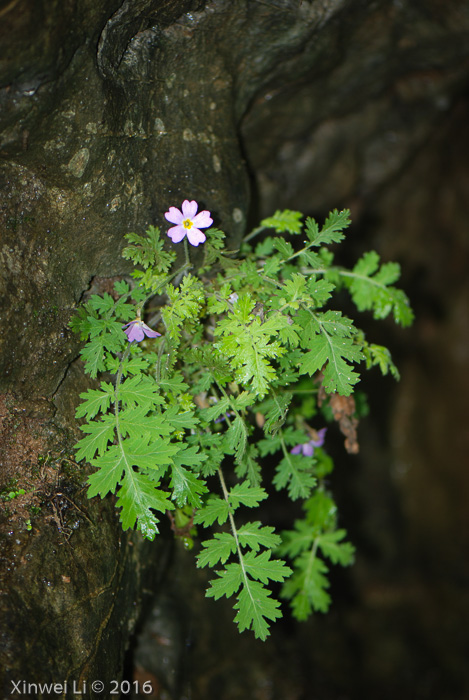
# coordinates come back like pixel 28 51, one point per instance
pixel 67 619
pixel 112 111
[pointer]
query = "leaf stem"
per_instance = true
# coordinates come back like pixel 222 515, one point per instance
pixel 287 455
pixel 116 398
pixel 253 233
pixel 233 528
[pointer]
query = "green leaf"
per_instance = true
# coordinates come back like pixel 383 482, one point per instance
pixel 121 287
pixel 248 343
pixel 110 469
pixel 255 606
pixel 227 583
pixel 190 455
pixel 254 536
pixel 131 365
pixel 95 401
pixel 321 511
pixel 272 266
pixel 320 290
pixel 215 411
pixel 236 438
pixel 248 467
pixel 215 508
pixel 103 304
pixel 298 540
pixel 379 355
pixel 246 495
pixel 100 433
pixel 331 232
pixel 141 391
pixel 243 400
pixel 104 336
pixel 138 496
pixel 307 588
pixel 262 568
pixel 174 385
pixel 328 341
pixel 148 250
pixel 370 288
pixel 185 420
pixel 293 291
pixel 158 453
pixel 185 303
pixel 285 221
pixel 284 248
pixel 294 472
pixel 211 445
pixel 275 410
pixel 217 550
pixel 331 545
pixel 135 421
pixel 187 488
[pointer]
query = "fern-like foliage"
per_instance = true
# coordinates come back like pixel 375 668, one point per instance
pixel 197 412
pixel 252 545
pixel 314 544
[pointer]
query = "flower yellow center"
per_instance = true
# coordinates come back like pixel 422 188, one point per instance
pixel 187 223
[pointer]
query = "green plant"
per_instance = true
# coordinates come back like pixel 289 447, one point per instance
pixel 12 494
pixel 204 420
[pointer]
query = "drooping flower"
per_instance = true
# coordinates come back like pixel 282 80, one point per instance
pixel 137 330
pixel 307 448
pixel 188 223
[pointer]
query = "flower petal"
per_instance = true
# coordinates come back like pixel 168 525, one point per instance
pixel 296 450
pixel 149 331
pixel 195 236
pixel 174 215
pixel 319 442
pixel 202 220
pixel 308 449
pixel 130 323
pixel 189 209
pixel 177 233
pixel 135 333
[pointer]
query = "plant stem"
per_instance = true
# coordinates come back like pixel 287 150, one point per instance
pixel 232 522
pixel 116 395
pixel 186 252
pixel 253 233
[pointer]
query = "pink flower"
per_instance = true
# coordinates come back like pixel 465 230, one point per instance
pixel 137 330
pixel 188 223
pixel 307 448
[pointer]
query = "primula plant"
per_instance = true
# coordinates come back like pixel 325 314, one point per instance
pixel 222 397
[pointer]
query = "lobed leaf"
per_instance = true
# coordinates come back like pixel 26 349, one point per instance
pixel 332 546
pixel 262 568
pixel 215 508
pixel 100 434
pixel 294 472
pixel 255 607
pixel 217 550
pixel 187 487
pixel 246 495
pixel 138 496
pixel 286 221
pixel 228 582
pixel 95 401
pixel 255 535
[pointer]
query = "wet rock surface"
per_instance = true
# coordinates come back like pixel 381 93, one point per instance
pixel 109 113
